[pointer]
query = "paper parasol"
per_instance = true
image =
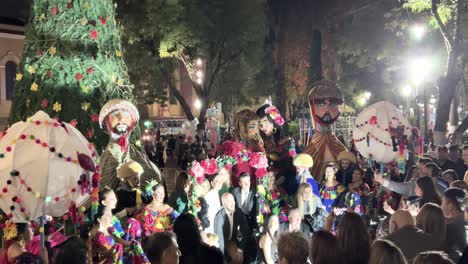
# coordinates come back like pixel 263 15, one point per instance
pixel 40 173
pixel 374 128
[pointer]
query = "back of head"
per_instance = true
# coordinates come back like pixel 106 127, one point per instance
pixel 385 252
pixel 431 220
pixel 293 247
pixel 353 238
pixel 436 170
pixel 28 258
pixel 74 251
pixel 188 234
pixel 156 244
pixel 400 219
pixel 456 197
pixel 324 248
pixel 429 192
pixel 432 257
pixel 181 180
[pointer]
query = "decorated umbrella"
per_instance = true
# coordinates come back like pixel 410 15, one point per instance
pixel 45 166
pixel 381 132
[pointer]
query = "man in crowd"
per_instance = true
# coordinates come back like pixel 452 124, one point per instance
pixel 455 155
pixel 410 239
pixel 162 248
pixel 443 159
pixel 292 248
pixel 295 224
pixel 230 225
pixel 245 199
pixel 346 161
pixel 453 206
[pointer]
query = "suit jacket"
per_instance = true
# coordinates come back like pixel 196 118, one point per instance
pixel 241 231
pixel 412 241
pixel 237 193
pixel 305 229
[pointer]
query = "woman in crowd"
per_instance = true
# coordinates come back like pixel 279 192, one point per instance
pixel 105 248
pixel 16 235
pixel 426 190
pixel 431 220
pixel 356 198
pixel 225 177
pixel 179 198
pixel 386 252
pixel 413 173
pixel 353 239
pixel 268 249
pixel 202 214
pixel 432 257
pixel 324 249
pixel 156 216
pixel 213 201
pixel 310 207
pixel 449 176
pixel 331 188
pixel 191 245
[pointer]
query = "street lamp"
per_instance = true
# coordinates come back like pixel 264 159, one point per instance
pixel 419 69
pixel 418 31
pixel 198 104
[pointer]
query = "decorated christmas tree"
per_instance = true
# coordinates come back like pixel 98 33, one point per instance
pixel 72 64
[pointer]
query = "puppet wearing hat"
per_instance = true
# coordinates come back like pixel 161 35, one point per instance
pixel 118 118
pixel 324 100
pixel 303 162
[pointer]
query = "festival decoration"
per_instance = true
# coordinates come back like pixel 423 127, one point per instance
pixel 381 133
pixel 45 165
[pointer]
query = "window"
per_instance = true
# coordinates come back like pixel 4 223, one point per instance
pixel 10 75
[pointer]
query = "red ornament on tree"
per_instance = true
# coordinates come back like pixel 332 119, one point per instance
pixel 90 70
pixel 49 74
pixel 89 134
pixel 78 76
pixel 69 5
pixel 54 10
pixel 94 34
pixel 103 20
pixel 44 103
pixel 95 118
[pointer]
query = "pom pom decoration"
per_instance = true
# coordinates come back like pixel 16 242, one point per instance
pixel 197 171
pixel 210 166
pixel 86 162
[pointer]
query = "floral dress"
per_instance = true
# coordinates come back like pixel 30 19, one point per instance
pixel 156 221
pixel 330 194
pixel 357 199
pixel 106 250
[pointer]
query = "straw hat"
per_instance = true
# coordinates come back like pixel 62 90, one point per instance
pixel 346 155
pixel 303 160
pixel 129 169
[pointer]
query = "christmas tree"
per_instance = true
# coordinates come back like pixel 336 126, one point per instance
pixel 72 64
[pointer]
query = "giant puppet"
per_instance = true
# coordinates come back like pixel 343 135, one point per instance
pixel 118 118
pixel 324 101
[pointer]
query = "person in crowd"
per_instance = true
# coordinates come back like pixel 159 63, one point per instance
pixel 426 190
pixel 162 248
pixel 303 162
pixel 245 199
pixel 179 198
pixel 413 173
pixel 230 225
pixel 73 251
pixel 324 249
pixel 331 188
pixel 455 155
pixel 310 206
pixel 353 239
pixel 460 185
pixel 432 257
pixel 213 200
pixel 157 216
pixel 453 207
pixel 105 248
pixel 130 197
pixel 16 235
pixel 193 249
pixel 225 178
pixel 268 245
pixel 295 224
pixel 443 159
pixel 346 161
pixel 431 221
pixel 356 198
pixel 385 252
pixel 432 170
pixel 292 248
pixel 410 239
pixel 449 176
pixel 202 214
pixel 299 146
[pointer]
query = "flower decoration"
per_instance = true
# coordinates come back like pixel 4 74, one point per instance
pixel 118 53
pixel 10 231
pixel 85 106
pixel 84 89
pixel 19 76
pixel 103 20
pixel 85 5
pixel 54 10
pixel 274 114
pixel 150 186
pixel 52 50
pixel 57 107
pixel 95 118
pixel 34 87
pixel 44 103
pixel 32 69
pixel 197 171
pixel 41 17
pixel 94 34
pixel 83 21
pixel 90 70
pixel 210 166
pixel 79 76
pixel 120 82
pixel 258 160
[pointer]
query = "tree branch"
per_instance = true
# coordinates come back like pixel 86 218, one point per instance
pixel 442 28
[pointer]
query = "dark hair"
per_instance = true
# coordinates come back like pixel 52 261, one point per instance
pixel 293 247
pixel 324 248
pixel 181 180
pixel 429 192
pixel 409 175
pixel 332 165
pixel 261 114
pixel 432 257
pixel 453 174
pixel 435 169
pixel 21 228
pixel 442 148
pixel 425 161
pixel 386 252
pixel 103 192
pixel 188 234
pixel 353 238
pixel 357 168
pixel 73 251
pixel 28 258
pixel 244 174
pixel 455 148
pixel 456 197
pixel 156 244
pixel 431 220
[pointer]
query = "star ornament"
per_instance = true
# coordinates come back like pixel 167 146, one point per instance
pixel 52 50
pixel 34 87
pixel 19 76
pixel 85 106
pixel 32 69
pixel 57 107
pixel 118 53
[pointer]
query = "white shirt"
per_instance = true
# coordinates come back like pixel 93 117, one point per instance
pixel 231 223
pixel 214 205
pixel 244 205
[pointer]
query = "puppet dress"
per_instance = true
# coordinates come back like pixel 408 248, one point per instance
pixel 330 194
pixel 156 221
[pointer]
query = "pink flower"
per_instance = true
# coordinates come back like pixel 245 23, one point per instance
pixel 279 120
pixel 79 76
pixel 197 170
pixel 261 172
pixel 210 166
pixel 94 34
pixel 54 10
pixel 258 160
pixel 292 153
pixel 95 118
pixel 44 103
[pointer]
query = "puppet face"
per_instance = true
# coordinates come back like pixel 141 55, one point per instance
pixel 266 126
pixel 252 129
pixel 326 111
pixel 120 121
